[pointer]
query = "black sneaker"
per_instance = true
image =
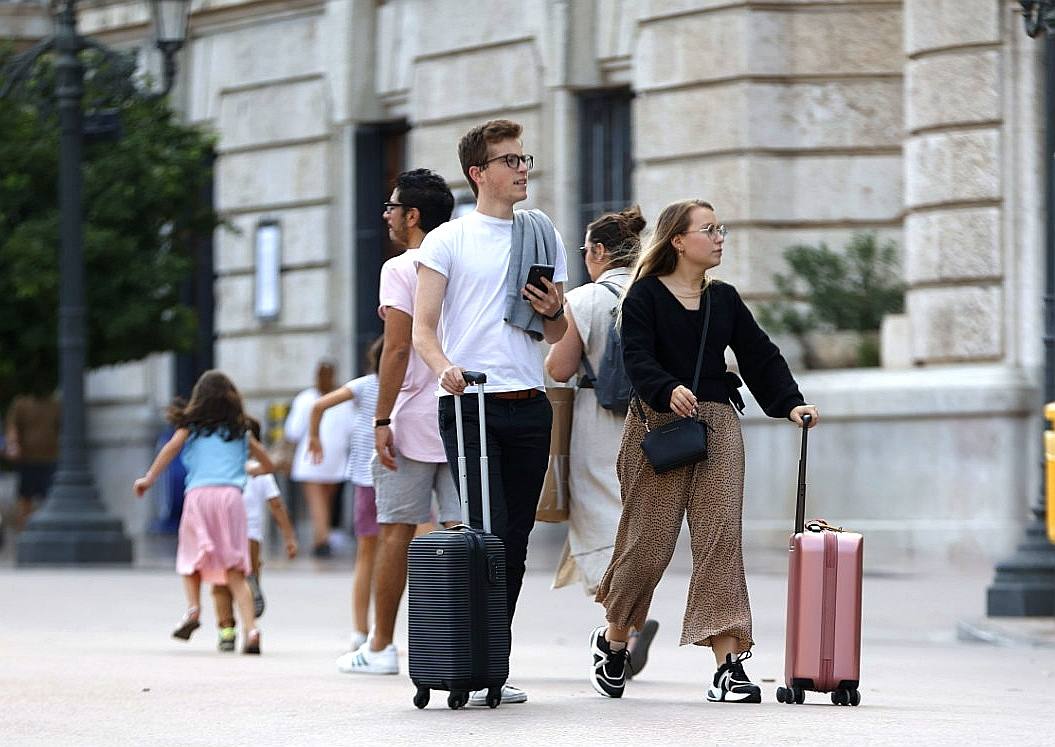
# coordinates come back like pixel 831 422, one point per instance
pixel 608 671
pixel 639 643
pixel 731 684
pixel 258 595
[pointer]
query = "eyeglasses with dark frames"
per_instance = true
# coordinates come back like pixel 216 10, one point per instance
pixel 711 230
pixel 390 206
pixel 512 160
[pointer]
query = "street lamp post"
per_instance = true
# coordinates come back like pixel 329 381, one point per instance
pixel 1024 585
pixel 73 526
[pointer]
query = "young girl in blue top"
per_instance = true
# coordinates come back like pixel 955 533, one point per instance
pixel 213 433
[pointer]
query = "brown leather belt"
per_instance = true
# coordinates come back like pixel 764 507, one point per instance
pixel 519 394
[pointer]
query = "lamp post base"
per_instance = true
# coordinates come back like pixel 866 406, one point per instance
pixel 1024 585
pixel 73 527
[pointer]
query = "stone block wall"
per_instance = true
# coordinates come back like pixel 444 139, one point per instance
pixel 954 178
pixel 787 116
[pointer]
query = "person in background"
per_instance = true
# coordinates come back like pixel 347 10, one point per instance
pixel 410 465
pixel 32 442
pixel 610 248
pixel 213 433
pixel 319 481
pixel 362 394
pixel 260 489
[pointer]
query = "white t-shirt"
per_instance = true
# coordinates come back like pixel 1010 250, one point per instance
pixel 472 252
pixel 415 426
pixel 258 491
pixel 334 432
pixel 364 402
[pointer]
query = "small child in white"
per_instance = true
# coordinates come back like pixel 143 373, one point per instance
pixel 259 489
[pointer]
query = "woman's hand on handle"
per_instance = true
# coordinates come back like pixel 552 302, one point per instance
pixel 796 415
pixel 682 401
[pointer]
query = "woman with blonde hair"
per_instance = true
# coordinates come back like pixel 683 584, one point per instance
pixel 676 323
pixel 610 249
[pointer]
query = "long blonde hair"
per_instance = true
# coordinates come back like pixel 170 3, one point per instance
pixel 660 257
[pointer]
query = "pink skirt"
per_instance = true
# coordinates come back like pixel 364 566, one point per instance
pixel 213 534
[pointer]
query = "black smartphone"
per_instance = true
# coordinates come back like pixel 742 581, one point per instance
pixel 536 273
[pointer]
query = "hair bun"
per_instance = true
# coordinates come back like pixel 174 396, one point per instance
pixel 633 219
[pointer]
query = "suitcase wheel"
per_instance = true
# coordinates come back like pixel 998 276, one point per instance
pixel 494 697
pixel 421 697
pixel 457 699
pixel 791 695
pixel 847 697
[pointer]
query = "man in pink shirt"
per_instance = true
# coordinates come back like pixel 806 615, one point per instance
pixel 410 464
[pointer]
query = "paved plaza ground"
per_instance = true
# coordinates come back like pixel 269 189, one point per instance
pixel 86 659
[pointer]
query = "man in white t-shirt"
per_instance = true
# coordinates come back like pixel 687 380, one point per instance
pixel 410 465
pixel 473 272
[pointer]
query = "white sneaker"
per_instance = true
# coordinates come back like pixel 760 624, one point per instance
pixel 510 694
pixel 356 640
pixel 385 661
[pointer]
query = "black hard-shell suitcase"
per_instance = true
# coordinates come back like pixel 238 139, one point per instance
pixel 458 624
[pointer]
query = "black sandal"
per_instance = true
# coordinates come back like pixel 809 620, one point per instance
pixel 188 625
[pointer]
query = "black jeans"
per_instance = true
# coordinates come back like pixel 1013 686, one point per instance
pixel 518 452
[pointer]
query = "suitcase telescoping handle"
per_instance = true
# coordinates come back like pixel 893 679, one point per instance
pixel 800 503
pixel 479 379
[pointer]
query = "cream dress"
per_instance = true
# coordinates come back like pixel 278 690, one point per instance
pixel 594 505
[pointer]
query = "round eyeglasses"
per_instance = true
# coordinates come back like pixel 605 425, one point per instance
pixel 711 230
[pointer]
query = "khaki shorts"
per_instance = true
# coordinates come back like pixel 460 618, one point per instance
pixel 404 496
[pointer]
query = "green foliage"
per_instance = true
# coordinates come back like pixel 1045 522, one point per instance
pixel 144 207
pixel 828 290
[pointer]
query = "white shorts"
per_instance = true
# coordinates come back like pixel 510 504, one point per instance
pixel 404 496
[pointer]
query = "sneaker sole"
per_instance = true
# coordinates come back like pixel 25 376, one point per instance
pixel 522 698
pixel 365 670
pixel 724 698
pixel 593 671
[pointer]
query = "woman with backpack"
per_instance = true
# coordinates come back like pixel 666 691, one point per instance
pixel 589 349
pixel 676 323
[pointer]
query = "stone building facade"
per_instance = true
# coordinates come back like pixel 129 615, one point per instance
pixel 803 120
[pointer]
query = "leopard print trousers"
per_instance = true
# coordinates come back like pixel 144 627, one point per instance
pixel 710 494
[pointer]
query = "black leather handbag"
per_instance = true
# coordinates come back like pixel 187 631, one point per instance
pixel 683 440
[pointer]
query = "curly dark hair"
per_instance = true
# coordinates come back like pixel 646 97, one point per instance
pixel 427 191
pixel 215 406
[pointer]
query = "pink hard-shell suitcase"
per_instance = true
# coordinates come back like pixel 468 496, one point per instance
pixel 823 649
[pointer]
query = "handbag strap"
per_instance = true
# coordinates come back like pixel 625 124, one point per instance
pixel 699 357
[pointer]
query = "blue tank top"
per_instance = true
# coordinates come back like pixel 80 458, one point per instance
pixel 212 461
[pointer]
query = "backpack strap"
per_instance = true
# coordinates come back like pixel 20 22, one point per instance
pixel 590 375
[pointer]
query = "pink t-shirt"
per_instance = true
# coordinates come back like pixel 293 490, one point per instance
pixel 415 427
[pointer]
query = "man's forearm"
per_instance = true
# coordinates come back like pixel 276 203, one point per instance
pixel 393 370
pixel 427 343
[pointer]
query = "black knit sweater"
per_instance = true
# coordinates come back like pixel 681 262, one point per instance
pixel 661 341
